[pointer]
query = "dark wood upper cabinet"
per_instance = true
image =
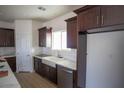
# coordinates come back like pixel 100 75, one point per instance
pixel 7 37
pixel 42 37
pixel 2 38
pixel 45 37
pixel 112 15
pixel 89 18
pixel 72 32
pixel 49 37
pixel 10 38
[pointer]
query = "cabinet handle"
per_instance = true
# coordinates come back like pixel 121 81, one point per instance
pixel 68 71
pixel 102 20
pixel 97 19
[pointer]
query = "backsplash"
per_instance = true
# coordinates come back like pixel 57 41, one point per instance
pixel 36 50
pixel 7 50
pixel 70 54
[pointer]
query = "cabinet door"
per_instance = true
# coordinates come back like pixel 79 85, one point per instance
pixel 53 74
pixel 72 33
pixel 65 77
pixel 49 37
pixel 12 39
pixel 12 63
pixel 112 15
pixel 36 65
pixel 42 37
pixel 6 37
pixel 89 19
pixel 2 38
pixel 44 70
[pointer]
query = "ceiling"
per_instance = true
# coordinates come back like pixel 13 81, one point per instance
pixel 11 12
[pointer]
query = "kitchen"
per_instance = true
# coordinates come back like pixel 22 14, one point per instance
pixel 76 46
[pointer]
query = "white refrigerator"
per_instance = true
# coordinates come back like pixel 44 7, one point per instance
pixel 105 60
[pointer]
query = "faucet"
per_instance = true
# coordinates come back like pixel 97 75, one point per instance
pixel 58 54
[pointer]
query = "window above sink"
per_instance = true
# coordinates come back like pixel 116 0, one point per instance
pixel 59 40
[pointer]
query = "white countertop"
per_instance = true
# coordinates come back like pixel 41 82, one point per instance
pixel 7 56
pixel 9 81
pixel 52 61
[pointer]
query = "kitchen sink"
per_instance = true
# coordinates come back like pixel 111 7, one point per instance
pixel 49 63
pixel 55 58
pixel 51 60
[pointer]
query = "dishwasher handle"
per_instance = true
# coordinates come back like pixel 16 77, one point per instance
pixel 68 71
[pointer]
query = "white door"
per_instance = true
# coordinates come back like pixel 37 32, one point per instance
pixel 24 45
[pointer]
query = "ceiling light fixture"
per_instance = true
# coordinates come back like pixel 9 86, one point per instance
pixel 42 8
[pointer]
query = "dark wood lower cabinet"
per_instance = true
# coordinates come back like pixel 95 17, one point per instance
pixel 12 63
pixel 45 71
pixel 65 77
pixel 53 74
pixel 36 64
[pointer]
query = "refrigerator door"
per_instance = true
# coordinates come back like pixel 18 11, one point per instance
pixel 105 60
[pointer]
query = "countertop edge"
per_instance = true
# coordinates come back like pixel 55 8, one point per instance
pixel 56 63
pixel 9 56
pixel 11 75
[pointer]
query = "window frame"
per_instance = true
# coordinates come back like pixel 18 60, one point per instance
pixel 61 37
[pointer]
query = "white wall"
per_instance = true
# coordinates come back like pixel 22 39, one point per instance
pixel 59 23
pixel 35 40
pixel 6 24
